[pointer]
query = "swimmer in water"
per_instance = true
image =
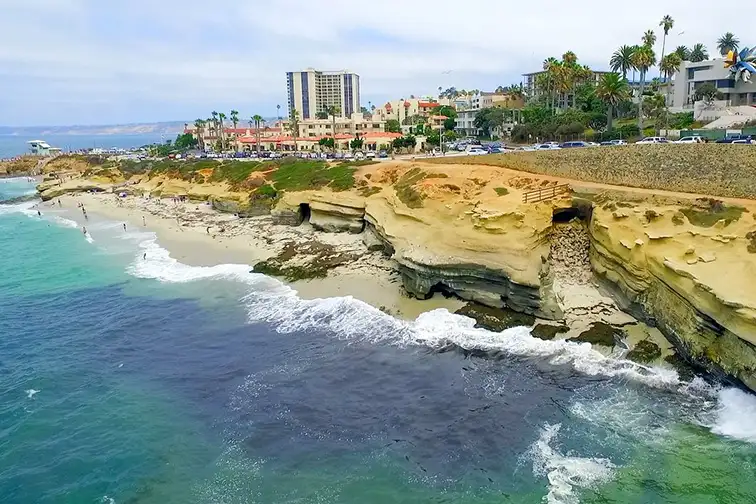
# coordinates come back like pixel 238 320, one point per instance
pixel 39 213
pixel 145 256
pixel 124 226
pixel 84 230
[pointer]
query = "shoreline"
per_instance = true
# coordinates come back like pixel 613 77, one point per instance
pixel 197 235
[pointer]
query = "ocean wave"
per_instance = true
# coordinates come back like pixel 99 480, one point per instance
pixel 271 301
pixel 65 222
pixel 735 415
pixel 23 207
pixel 566 473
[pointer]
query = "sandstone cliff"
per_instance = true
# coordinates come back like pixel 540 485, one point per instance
pixel 684 265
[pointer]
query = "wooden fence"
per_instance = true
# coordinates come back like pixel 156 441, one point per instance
pixel 545 193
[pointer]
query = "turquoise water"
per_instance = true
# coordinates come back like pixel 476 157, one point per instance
pixel 133 380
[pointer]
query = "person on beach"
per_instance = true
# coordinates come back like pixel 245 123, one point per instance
pixel 84 230
pixel 144 220
pixel 124 226
pixel 39 213
pixel 144 257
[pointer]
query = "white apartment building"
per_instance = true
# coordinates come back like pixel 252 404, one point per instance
pixel 694 75
pixel 312 91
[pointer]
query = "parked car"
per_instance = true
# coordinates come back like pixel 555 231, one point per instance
pixel 383 154
pixel 733 138
pixel 347 155
pixel 274 155
pixel 475 151
pixel 547 146
pixel 652 140
pixel 572 145
pixel 617 142
pixel 690 140
pixel 742 141
pixel 370 155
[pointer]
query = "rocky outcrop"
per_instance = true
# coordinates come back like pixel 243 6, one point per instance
pixel 667 274
pixel 55 189
pixel 332 212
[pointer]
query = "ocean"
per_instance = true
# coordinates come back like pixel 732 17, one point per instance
pixel 14 145
pixel 133 380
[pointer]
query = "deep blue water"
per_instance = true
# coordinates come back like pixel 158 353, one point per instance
pixel 158 382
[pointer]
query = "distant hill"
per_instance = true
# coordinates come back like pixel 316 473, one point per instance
pixel 165 128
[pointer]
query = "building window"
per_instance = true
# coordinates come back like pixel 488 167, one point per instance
pixel 305 97
pixel 290 87
pixel 725 83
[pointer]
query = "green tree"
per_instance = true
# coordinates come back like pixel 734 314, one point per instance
pixel 669 65
pixel 649 38
pixel 699 53
pixel 327 142
pixel 727 42
pixel 356 143
pixel 420 129
pixel 667 23
pixel 321 115
pixel 216 127
pixel 449 124
pixel 393 126
pixel 489 119
pixel 643 59
pixel 258 120
pixel 445 110
pixel 332 110
pixel 707 92
pixel 185 141
pixel 433 138
pixel 683 52
pixel 293 126
pixel 221 118
pixel 199 127
pixel 612 90
pixel 622 60
pixel 234 116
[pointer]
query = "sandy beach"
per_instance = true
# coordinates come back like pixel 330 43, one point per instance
pixel 197 235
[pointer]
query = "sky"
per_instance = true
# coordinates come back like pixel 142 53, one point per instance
pixel 65 62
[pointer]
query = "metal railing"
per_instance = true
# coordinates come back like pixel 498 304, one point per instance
pixel 545 193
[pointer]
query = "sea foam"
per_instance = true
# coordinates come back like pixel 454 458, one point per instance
pixel 566 473
pixel 736 415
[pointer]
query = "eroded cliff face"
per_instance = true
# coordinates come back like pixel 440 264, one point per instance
pixel 455 234
pixel 694 282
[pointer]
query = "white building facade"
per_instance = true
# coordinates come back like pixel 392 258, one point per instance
pixel 311 92
pixel 694 75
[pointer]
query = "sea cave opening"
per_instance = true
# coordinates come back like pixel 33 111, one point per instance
pixel 304 212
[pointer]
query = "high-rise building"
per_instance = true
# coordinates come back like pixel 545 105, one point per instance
pixel 312 91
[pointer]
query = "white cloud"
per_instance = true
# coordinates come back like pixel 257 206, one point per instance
pixel 187 57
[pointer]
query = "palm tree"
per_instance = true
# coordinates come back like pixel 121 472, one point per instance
pixel 622 60
pixel 293 126
pixel 234 116
pixel 221 117
pixel 649 38
pixel 727 42
pixel 683 52
pixel 635 69
pixel 332 110
pixel 699 53
pixel 257 120
pixel 612 90
pixel 670 64
pixel 643 59
pixel 214 114
pixel 666 24
pixel 199 126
